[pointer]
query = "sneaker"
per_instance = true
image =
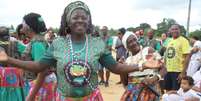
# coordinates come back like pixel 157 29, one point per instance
pixel 106 84
pixel 101 82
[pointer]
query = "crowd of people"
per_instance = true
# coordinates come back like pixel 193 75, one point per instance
pixel 37 64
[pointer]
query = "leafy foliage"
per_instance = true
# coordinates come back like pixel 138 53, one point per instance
pixel 112 32
pixel 164 26
pixel 196 33
pixel 55 30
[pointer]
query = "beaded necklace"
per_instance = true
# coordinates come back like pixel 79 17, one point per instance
pixel 75 59
pixel 75 54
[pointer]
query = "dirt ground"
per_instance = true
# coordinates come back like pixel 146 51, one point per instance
pixel 114 91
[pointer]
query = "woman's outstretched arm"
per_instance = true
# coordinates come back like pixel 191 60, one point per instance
pixel 27 65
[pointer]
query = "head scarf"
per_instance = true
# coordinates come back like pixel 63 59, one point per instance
pixel 65 20
pixel 73 6
pixel 125 37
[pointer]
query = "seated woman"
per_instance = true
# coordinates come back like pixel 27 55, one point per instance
pixel 140 82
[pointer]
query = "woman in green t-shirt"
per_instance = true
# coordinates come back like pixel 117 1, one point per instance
pixel 75 55
pixel 43 88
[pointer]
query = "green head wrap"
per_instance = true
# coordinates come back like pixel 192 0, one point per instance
pixel 65 20
pixel 73 6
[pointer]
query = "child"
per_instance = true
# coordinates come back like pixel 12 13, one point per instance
pixel 185 93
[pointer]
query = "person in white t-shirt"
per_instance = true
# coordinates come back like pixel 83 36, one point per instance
pixel 197 82
pixel 194 63
pixel 185 93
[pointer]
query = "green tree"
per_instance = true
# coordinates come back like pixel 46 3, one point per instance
pixel 196 33
pixel 164 26
pixel 112 32
pixel 183 30
pixel 55 30
pixel 130 29
pixel 97 28
pixel 144 26
pixel 12 27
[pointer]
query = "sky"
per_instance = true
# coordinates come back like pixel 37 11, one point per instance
pixel 112 13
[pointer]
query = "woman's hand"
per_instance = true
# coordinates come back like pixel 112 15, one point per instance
pixel 3 55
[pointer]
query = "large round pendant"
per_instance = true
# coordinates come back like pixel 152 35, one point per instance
pixel 78 73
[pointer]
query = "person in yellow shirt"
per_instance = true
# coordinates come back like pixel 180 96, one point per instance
pixel 176 58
